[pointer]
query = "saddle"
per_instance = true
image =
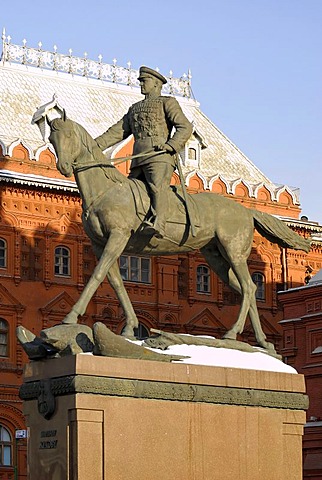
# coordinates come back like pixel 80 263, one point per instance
pixel 177 210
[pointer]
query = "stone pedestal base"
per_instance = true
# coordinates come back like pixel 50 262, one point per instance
pixel 120 419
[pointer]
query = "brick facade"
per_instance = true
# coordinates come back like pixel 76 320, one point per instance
pixel 40 215
pixel 302 348
pixel 36 220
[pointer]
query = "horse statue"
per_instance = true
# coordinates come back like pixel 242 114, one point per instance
pixel 114 208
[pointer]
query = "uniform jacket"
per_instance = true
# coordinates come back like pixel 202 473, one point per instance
pixel 151 122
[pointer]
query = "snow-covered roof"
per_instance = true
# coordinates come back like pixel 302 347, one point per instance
pixel 37 180
pixel 316 279
pixel 97 103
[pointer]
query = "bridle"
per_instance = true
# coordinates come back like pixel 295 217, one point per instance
pixel 84 166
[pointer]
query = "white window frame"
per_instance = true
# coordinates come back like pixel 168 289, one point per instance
pixel 3 253
pixel 203 279
pixel 260 282
pixel 6 446
pixel 62 265
pixel 135 269
pixel 4 337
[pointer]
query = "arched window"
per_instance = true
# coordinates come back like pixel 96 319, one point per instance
pixel 5 447
pixel 203 279
pixel 192 154
pixel 3 253
pixel 62 261
pixel 259 280
pixel 141 332
pixel 4 329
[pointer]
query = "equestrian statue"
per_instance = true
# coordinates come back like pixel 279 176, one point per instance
pixel 142 215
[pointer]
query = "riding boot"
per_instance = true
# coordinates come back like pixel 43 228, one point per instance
pixel 155 224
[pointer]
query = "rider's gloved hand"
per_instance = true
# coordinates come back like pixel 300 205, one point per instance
pixel 166 147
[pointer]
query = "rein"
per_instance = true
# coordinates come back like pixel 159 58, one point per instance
pixel 138 155
pixel 118 162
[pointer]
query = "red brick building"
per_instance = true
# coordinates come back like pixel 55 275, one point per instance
pixel 302 348
pixel 45 257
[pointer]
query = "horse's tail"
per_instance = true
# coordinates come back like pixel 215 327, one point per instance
pixel 278 232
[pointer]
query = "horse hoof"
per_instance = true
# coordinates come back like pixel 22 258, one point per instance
pixel 128 332
pixel 230 336
pixel 268 346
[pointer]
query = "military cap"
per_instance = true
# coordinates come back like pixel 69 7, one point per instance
pixel 149 72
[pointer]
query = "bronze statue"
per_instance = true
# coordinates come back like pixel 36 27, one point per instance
pixel 62 340
pixel 114 209
pixel 151 122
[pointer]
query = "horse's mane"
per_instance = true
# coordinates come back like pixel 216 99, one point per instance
pixel 90 144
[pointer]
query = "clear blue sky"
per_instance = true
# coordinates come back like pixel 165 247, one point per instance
pixel 256 66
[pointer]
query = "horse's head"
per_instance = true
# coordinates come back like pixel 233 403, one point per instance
pixel 66 140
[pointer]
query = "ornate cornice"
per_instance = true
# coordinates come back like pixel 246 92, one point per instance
pixel 74 384
pixel 12 177
pixel 313 227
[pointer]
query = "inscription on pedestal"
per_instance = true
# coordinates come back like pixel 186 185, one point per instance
pixel 47 441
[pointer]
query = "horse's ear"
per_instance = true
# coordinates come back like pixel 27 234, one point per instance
pixel 64 116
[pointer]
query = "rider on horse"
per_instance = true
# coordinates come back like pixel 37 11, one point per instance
pixel 151 122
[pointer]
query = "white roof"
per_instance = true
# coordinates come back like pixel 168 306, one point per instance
pixel 97 104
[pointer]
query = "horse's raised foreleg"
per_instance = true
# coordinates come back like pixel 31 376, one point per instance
pixel 112 250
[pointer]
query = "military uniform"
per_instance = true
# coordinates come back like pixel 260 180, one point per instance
pixel 151 122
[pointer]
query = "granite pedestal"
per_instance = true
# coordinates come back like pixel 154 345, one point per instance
pixel 95 418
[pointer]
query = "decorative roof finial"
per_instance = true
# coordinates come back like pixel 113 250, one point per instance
pixel 37 57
